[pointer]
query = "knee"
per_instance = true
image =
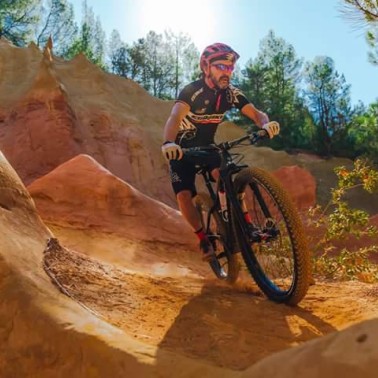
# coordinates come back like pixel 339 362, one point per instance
pixel 215 174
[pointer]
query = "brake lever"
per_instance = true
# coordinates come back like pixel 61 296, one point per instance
pixel 257 135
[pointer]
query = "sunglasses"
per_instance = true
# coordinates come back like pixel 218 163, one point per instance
pixel 223 67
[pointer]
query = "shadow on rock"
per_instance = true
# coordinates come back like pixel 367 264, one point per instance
pixel 232 328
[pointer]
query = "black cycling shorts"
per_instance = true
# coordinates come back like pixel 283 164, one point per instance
pixel 183 171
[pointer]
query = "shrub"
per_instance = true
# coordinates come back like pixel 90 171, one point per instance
pixel 337 224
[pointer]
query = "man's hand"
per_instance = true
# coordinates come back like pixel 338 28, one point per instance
pixel 272 128
pixel 171 151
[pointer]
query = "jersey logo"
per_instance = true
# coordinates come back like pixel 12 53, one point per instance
pixel 232 95
pixel 206 118
pixel 195 94
pixel 175 177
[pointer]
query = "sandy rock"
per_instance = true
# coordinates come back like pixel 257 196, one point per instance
pixel 349 354
pixel 52 110
pixel 300 185
pixel 84 194
pixel 45 333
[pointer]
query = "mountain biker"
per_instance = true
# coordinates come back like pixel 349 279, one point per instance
pixel 193 121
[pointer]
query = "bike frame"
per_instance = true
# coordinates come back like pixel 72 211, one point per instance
pixel 227 170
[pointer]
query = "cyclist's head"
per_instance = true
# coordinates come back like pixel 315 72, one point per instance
pixel 215 52
pixel 217 63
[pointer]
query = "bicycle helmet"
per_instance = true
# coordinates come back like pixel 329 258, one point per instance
pixel 217 51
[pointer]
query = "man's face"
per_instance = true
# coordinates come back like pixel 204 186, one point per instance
pixel 220 73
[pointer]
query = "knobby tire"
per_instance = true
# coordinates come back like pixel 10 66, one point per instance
pixel 291 240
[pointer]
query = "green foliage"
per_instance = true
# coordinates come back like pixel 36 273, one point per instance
pixel 372 40
pixel 159 65
pixel 271 83
pixel 348 265
pixel 18 19
pixel 57 22
pixel 328 98
pixel 184 56
pixel 162 64
pixel 337 223
pixel 363 133
pixel 90 41
pixel 361 11
pixel 364 13
pixel 118 55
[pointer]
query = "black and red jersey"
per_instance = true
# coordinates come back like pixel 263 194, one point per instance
pixel 207 109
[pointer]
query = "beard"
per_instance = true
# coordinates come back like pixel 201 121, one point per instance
pixel 221 83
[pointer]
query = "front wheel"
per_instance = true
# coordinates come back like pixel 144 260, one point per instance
pixel 271 237
pixel 226 265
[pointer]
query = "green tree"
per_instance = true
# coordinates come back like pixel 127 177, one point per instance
pixel 185 57
pixel 91 39
pixel 162 64
pixel 328 98
pixel 18 20
pixel 254 83
pixel 364 132
pixel 138 70
pixel 364 13
pixel 372 40
pixel 272 82
pixel 360 11
pixel 118 55
pixel 57 22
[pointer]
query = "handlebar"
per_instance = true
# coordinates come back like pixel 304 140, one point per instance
pixel 253 137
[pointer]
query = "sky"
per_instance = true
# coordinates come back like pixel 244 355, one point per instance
pixel 312 27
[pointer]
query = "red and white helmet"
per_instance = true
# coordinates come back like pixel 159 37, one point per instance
pixel 217 51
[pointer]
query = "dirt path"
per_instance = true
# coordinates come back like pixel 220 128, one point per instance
pixel 232 327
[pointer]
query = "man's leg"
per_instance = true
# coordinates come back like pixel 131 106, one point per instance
pixel 190 213
pixel 215 174
pixel 188 210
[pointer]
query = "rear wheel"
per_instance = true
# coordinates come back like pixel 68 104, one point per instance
pixel 226 265
pixel 274 247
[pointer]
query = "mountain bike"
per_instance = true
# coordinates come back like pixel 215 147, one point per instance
pixel 248 211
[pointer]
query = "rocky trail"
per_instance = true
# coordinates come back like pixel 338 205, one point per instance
pixel 203 318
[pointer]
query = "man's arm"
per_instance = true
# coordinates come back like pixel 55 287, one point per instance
pixel 170 150
pixel 261 120
pixel 178 112
pixel 257 116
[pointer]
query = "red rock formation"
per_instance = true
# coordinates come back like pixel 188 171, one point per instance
pixel 52 110
pixel 84 195
pixel 300 184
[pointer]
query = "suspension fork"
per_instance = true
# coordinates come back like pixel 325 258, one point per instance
pixel 207 179
pixel 209 186
pixel 260 200
pixel 226 176
pixel 227 170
